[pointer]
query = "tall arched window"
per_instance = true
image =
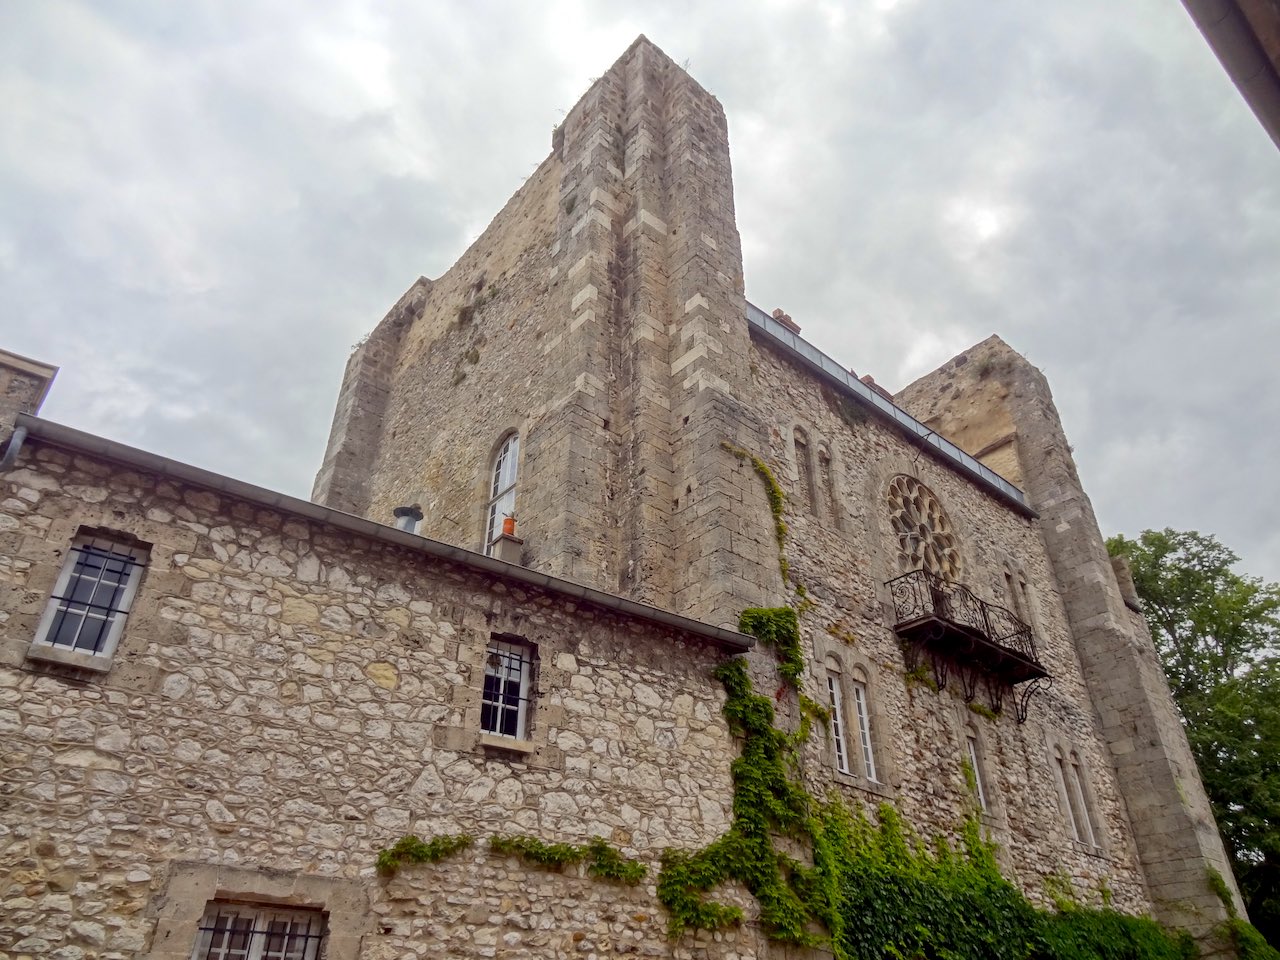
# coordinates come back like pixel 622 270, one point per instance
pixel 827 481
pixel 973 748
pixel 804 469
pixel 502 489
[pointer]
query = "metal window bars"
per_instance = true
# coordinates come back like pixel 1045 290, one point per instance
pixel 231 932
pixel 95 593
pixel 504 702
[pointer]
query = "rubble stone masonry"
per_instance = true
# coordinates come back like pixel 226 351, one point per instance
pixel 287 699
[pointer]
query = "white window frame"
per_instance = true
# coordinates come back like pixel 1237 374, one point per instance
pixel 836 700
pixel 502 489
pixel 862 709
pixel 513 668
pixel 211 937
pixel 115 612
pixel 975 761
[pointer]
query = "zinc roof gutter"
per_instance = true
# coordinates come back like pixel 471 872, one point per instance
pixel 77 440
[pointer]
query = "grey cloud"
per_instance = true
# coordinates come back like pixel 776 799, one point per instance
pixel 205 205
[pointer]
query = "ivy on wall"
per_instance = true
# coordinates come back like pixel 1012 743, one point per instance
pixel 604 862
pixel 778 628
pixel 873 890
pixel 412 849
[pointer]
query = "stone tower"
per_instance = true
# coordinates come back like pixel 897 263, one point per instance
pixel 601 318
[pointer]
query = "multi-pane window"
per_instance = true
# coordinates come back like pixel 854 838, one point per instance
pixel 502 490
pixel 91 598
pixel 508 686
pixel 975 764
pixel 837 721
pixel 1071 785
pixel 235 931
pixel 862 712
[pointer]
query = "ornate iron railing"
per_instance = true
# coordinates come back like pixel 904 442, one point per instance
pixel 980 643
pixel 921 596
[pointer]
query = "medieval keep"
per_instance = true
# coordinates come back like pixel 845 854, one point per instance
pixel 557 476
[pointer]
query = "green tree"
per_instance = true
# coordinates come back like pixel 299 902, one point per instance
pixel 1218 636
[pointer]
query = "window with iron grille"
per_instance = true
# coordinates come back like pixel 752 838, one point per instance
pixel 92 596
pixel 239 931
pixel 508 688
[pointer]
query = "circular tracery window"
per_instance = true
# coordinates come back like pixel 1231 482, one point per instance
pixel 925 540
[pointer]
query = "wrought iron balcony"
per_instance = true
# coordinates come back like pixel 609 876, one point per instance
pixel 962 634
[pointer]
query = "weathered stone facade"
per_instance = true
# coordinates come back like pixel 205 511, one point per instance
pixel 292 697
pixel 299 685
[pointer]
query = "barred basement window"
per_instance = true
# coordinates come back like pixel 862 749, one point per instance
pixel 237 931
pixel 91 599
pixel 508 688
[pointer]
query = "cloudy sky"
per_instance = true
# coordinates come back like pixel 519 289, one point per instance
pixel 203 205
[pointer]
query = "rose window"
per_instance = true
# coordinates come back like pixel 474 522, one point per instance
pixel 925 540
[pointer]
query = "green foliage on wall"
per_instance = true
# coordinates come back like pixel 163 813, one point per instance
pixel 766 800
pixel 779 628
pixel 604 862
pixel 874 889
pixel 411 849
pixel 1248 942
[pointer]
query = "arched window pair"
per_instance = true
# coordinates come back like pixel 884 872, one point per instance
pixel 1018 597
pixel 816 491
pixel 851 724
pixel 502 490
pixel 1069 773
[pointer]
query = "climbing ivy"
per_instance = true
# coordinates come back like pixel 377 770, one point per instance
pixel 779 628
pixel 766 800
pixel 603 861
pixel 875 889
pixel 1249 944
pixel 411 849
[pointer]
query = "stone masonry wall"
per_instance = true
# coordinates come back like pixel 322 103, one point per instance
pixel 840 548
pixel 1177 839
pixel 23 385
pixel 287 699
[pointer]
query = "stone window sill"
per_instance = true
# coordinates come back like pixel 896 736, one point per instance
pixel 69 658
pixel 862 783
pixel 1089 849
pixel 490 741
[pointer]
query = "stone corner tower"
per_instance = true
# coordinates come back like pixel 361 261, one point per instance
pixel 600 318
pixel 998 406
